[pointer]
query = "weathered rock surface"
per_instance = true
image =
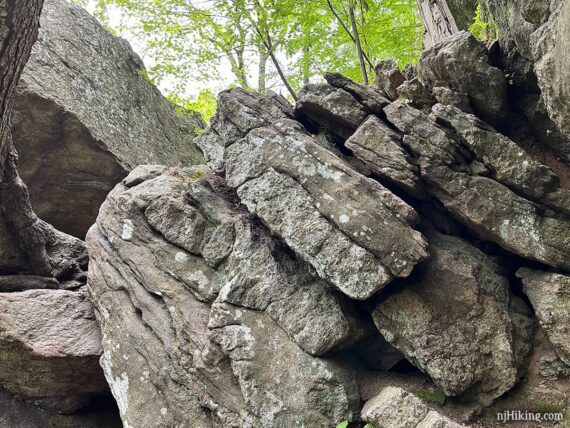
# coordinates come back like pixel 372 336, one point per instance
pixel 395 407
pixel 459 323
pixel 389 78
pixel 549 294
pixel 461 63
pixel 328 109
pixel 508 163
pixel 368 96
pixel 381 149
pixel 550 46
pixel 414 91
pixel 50 346
pixel 459 172
pixel 209 298
pixel 85 115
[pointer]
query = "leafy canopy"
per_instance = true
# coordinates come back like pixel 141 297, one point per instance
pixel 279 44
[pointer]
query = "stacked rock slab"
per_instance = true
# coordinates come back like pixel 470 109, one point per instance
pixel 396 407
pixel 241 293
pixel 85 115
pixel 204 314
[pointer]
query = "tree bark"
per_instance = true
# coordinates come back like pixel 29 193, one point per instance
pixel 277 66
pixel 359 50
pixel 19 23
pixel 262 71
pixel 347 31
pixel 438 21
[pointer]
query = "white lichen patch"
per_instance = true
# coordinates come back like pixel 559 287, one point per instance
pixel 128 229
pixel 119 384
pixel 327 172
pixel 180 257
pixel 199 279
pixel 344 218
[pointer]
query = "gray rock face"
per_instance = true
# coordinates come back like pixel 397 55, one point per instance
pixel 381 149
pixel 549 295
pixel 194 298
pixel 389 78
pixel 550 46
pixel 459 323
pixel 309 197
pixel 450 97
pixel 395 407
pixel 450 62
pixel 85 115
pixel 370 97
pixel 50 346
pixel 330 109
pixel 509 164
pixel 533 54
pixel 414 91
pixel 459 172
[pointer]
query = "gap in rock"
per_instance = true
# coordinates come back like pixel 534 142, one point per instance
pixel 404 367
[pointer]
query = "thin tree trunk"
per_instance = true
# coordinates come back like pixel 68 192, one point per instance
pixel 358 45
pixel 19 23
pixel 238 70
pixel 262 71
pixel 347 31
pixel 437 20
pixel 277 66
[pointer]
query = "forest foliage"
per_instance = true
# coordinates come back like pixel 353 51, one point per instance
pixel 268 44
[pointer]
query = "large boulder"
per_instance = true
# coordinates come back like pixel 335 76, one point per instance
pixel 461 63
pixel 380 148
pixel 352 230
pixel 328 109
pixel 50 346
pixel 194 297
pixel 549 295
pixel 85 114
pixel 459 323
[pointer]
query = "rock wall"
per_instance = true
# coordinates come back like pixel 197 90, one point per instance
pixel 397 254
pixel 85 115
pixel 336 254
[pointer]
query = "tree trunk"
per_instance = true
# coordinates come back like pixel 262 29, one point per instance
pixel 358 44
pixel 437 20
pixel 262 71
pixel 269 45
pixel 19 23
pixel 238 69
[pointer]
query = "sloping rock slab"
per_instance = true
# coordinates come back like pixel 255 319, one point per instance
pixel 469 175
pixel 461 63
pixel 395 407
pixel 351 229
pixel 85 114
